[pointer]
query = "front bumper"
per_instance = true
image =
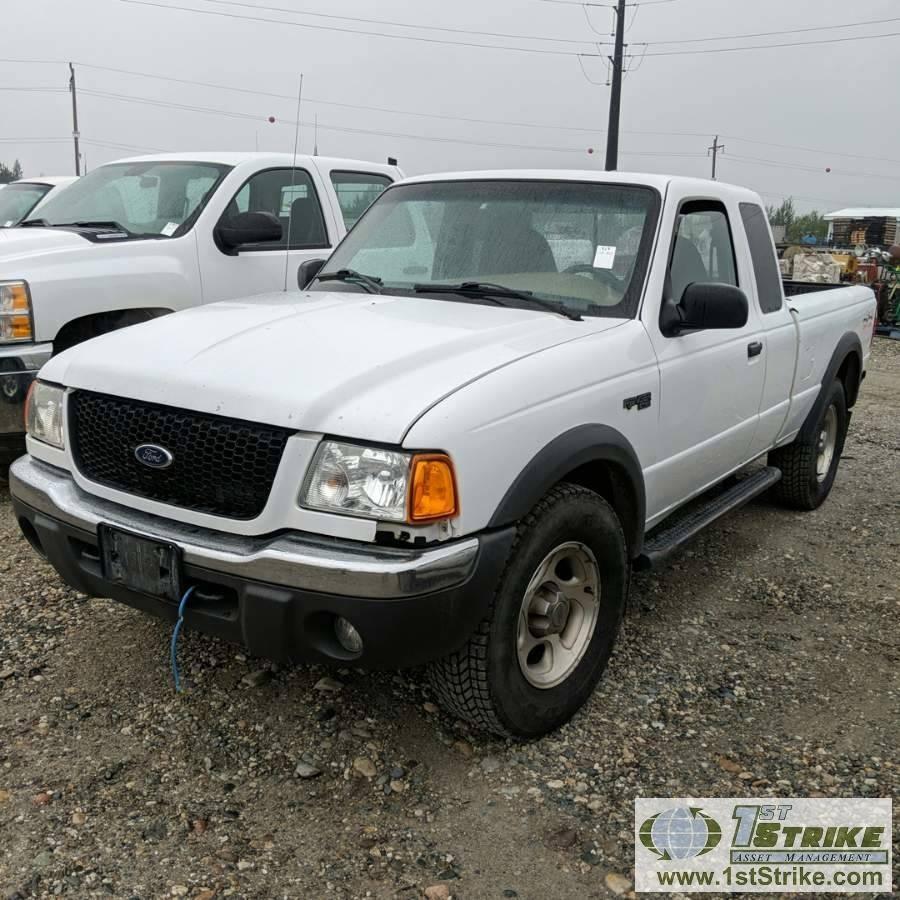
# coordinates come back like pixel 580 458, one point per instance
pixel 19 365
pixel 277 595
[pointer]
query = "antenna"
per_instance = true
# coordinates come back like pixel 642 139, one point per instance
pixel 287 238
pixel 316 138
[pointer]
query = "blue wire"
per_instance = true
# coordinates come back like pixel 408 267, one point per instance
pixel 175 633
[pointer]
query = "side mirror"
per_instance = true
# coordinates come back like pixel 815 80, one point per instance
pixel 307 271
pixel 248 228
pixel 705 305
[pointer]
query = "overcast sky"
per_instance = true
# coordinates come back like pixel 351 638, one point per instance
pixel 830 99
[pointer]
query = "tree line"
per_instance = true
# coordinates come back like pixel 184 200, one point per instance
pixel 797 227
pixel 10 173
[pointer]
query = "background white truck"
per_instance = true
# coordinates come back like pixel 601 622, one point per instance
pixel 143 237
pixel 503 390
pixel 20 198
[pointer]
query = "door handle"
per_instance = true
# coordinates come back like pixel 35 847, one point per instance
pixel 754 349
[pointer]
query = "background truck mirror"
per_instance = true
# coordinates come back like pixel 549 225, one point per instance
pixel 248 228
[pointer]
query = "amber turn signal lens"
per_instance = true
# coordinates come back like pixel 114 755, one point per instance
pixel 433 488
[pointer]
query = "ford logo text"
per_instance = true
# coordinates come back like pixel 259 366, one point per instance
pixel 154 456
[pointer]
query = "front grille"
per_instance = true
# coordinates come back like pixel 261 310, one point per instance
pixel 220 466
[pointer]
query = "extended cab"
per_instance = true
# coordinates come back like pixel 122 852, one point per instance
pixel 136 239
pixel 501 392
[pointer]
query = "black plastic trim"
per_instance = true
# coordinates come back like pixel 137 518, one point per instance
pixel 290 624
pixel 849 343
pixel 570 451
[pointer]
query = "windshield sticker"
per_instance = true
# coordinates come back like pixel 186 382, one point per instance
pixel 605 257
pixel 169 229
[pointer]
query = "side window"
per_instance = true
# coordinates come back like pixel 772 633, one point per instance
pixel 768 277
pixel 356 191
pixel 289 196
pixel 703 249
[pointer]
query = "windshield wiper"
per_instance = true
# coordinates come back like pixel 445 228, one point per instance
pixel 369 282
pixel 34 223
pixel 107 225
pixel 494 292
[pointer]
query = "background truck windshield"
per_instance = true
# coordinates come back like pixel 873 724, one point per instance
pixel 17 200
pixel 584 245
pixel 145 198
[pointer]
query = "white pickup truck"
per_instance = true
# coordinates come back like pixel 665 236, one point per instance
pixel 20 198
pixel 501 392
pixel 136 239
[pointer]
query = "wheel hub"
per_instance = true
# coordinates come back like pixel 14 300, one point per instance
pixel 826 444
pixel 549 612
pixel 558 615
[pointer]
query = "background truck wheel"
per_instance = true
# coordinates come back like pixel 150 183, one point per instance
pixel 809 465
pixel 535 659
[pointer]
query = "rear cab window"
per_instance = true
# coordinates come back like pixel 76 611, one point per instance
pixel 762 252
pixel 356 191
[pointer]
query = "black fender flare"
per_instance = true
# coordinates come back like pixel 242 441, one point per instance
pixel 572 450
pixel 849 343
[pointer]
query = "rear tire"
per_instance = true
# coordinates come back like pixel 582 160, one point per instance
pixel 809 465
pixel 538 654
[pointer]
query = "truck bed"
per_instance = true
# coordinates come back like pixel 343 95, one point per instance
pixel 793 288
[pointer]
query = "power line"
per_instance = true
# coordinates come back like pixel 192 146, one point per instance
pixel 730 37
pixel 844 40
pixel 166 104
pixel 801 168
pixel 393 24
pixel 392 111
pixel 343 30
pixel 421 114
pixel 742 140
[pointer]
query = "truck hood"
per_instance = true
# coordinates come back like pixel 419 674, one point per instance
pixel 22 244
pixel 348 364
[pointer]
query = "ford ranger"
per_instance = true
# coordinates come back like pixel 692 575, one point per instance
pixel 501 392
pixel 136 239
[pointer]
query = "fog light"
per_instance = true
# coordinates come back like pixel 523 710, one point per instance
pixel 348 637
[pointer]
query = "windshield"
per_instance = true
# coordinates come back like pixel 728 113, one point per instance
pixel 17 200
pixel 580 245
pixel 144 198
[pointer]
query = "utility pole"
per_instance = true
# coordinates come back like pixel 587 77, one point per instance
pixel 714 151
pixel 75 134
pixel 615 100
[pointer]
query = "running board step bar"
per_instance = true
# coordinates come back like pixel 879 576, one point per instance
pixel 663 543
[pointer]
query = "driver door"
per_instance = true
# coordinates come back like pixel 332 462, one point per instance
pixel 711 381
pixel 294 198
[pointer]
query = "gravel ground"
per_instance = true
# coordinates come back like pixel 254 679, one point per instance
pixel 764 660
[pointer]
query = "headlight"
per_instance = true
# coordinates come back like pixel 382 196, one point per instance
pixel 15 312
pixel 44 414
pixel 380 484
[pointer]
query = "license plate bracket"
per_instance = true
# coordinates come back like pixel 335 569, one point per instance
pixel 140 563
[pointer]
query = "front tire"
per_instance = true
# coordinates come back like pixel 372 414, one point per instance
pixel 809 465
pixel 538 654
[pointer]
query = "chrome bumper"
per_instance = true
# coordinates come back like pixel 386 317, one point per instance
pixel 326 565
pixel 19 365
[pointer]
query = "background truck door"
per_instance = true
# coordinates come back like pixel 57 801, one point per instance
pixel 711 381
pixel 259 268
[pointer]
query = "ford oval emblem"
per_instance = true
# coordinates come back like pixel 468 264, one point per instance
pixel 154 456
